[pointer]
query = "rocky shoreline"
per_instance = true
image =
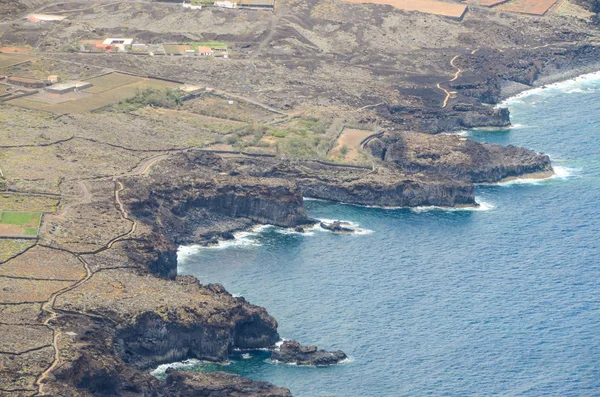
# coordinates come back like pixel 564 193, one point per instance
pixel 97 301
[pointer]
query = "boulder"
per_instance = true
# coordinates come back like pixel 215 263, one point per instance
pixel 292 352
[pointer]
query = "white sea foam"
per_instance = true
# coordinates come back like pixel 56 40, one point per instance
pixel 246 356
pixel 161 369
pixel 560 172
pixel 483 206
pixel 457 133
pixel 349 224
pixel 585 83
pixel 245 239
pixel 312 199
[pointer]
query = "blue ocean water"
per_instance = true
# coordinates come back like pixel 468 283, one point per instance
pixel 501 301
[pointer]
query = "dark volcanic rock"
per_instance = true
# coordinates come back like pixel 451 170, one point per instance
pixel 336 227
pixel 219 384
pixel 383 186
pixel 436 119
pixel 206 322
pixel 458 158
pixel 292 352
pixel 155 338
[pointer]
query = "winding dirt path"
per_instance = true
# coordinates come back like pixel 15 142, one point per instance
pixel 456 75
pixel 48 307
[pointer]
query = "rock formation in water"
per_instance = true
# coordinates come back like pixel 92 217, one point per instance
pixel 292 352
pixel 336 227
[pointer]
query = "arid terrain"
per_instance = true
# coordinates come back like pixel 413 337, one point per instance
pixel 329 99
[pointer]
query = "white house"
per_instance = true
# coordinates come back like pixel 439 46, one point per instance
pixel 121 43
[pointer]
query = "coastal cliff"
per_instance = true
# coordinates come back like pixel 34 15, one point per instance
pixel 107 350
pixel 458 158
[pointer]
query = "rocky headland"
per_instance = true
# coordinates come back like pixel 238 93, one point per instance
pixel 95 301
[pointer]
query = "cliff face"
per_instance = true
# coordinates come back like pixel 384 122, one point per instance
pixel 107 351
pixel 458 158
pixel 155 338
pixel 406 193
pixel 434 120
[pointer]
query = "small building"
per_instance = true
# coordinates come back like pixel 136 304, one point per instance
pixel 204 51
pixel 191 7
pixel 44 18
pixel 67 87
pixel 53 78
pixel 120 43
pixel 189 52
pixel 27 82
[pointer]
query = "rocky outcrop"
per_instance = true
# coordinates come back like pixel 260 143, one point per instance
pixel 161 337
pixel 383 186
pixel 337 227
pixel 458 158
pixel 292 352
pixel 437 119
pixel 110 352
pixel 218 384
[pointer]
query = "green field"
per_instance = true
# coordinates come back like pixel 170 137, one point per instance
pixel 19 224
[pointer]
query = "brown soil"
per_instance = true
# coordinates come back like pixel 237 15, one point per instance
pixel 452 10
pixel 534 7
pixel 351 139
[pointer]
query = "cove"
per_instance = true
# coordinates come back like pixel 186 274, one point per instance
pixel 432 302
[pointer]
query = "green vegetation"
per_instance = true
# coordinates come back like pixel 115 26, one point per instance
pixel 27 223
pixel 164 98
pixel 211 44
pixel 344 151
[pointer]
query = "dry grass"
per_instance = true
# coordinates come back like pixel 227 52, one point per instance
pixel 17 202
pixel 28 291
pixel 111 81
pixel 8 60
pixel 41 262
pixel 12 247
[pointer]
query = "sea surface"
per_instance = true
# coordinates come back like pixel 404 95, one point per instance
pixel 504 300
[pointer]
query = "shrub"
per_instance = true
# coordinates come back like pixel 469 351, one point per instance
pixel 344 150
pixel 277 133
pixel 167 98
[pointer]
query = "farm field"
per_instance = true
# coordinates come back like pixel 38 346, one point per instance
pixel 106 90
pixel 111 81
pixel 19 224
pixel 3 88
pixel 8 60
pixel 350 139
pixel 487 3
pixel 534 7
pixel 452 10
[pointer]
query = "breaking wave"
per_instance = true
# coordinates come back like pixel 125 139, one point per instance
pixel 483 206
pixel 586 83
